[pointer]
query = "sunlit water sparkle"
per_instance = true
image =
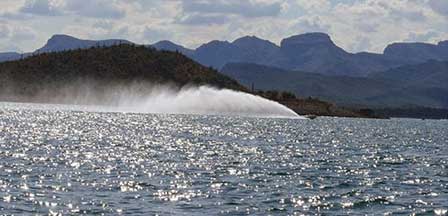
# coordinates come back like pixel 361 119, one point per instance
pixel 77 162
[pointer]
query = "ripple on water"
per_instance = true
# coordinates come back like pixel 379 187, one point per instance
pixel 60 161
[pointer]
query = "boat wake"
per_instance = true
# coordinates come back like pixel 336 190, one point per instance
pixel 165 99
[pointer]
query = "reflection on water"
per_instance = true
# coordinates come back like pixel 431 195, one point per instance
pixel 55 161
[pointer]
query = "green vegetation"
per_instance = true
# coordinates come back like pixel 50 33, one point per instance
pixel 120 64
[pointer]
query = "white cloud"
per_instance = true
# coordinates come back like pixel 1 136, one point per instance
pixel 372 24
pixel 4 31
pixel 311 24
pixel 199 19
pixel 90 8
pixel 246 8
pixel 440 6
pixel 315 5
pixel 7 6
pixel 23 33
pixel 152 34
pixel 421 36
pixel 356 25
pixel 95 8
pixel 41 7
pixel 12 35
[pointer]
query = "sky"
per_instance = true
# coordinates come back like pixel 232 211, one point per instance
pixel 355 25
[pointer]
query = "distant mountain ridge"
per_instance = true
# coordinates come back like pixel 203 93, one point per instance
pixel 418 52
pixel 310 52
pixel 64 42
pixel 9 56
pixel 421 85
pixel 59 42
pixel 432 74
pixel 170 46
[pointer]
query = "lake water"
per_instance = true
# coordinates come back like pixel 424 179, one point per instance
pixel 73 162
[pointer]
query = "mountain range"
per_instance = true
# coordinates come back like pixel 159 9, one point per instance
pixel 405 74
pixel 311 52
pixel 407 86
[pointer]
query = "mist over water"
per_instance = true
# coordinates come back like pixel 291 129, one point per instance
pixel 166 99
pixel 203 100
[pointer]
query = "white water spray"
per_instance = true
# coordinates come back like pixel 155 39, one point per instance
pixel 164 99
pixel 204 101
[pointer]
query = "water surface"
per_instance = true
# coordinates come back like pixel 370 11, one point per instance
pixel 56 160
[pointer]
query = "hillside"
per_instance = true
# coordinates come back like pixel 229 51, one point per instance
pixel 348 91
pixel 426 81
pixel 101 67
pixel 338 89
pixel 429 74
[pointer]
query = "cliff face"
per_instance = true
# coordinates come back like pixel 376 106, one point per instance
pixel 115 65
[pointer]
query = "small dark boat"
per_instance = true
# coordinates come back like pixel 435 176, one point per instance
pixel 312 117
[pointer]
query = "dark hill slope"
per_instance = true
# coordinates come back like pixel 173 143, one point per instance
pixel 121 64
pixel 348 91
pixel 429 79
pixel 429 74
pixel 339 89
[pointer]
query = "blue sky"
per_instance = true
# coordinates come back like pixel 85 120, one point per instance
pixel 356 25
